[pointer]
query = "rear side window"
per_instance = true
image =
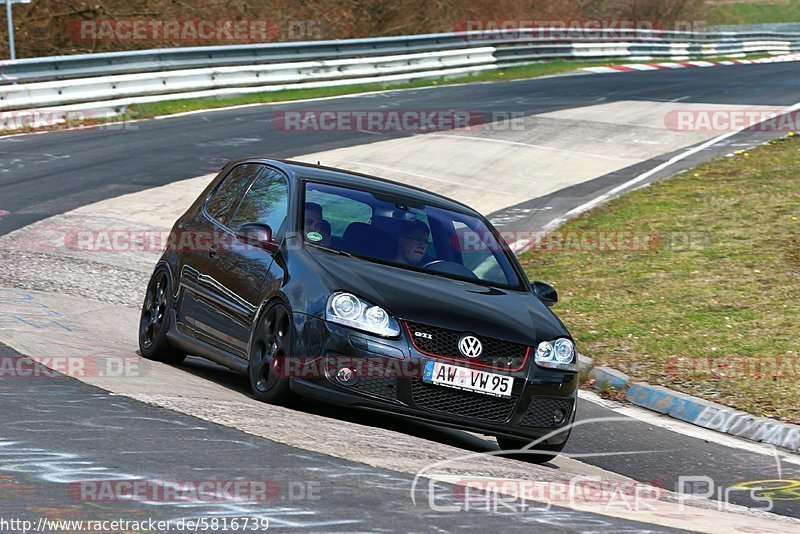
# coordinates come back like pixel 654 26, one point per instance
pixel 226 196
pixel 266 202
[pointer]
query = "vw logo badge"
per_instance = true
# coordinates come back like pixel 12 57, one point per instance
pixel 470 346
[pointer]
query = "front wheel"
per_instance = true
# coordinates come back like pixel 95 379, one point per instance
pixel 272 342
pixel 538 454
pixel 155 321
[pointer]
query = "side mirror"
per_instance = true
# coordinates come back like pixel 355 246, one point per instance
pixel 546 293
pixel 258 235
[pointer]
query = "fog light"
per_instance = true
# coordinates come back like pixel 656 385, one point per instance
pixel 560 416
pixel 346 376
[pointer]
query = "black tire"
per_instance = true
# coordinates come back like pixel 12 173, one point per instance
pixel 271 342
pixel 156 319
pixel 540 453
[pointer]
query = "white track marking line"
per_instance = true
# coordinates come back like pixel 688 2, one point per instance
pixel 381 92
pixel 601 70
pixel 687 429
pixel 520 246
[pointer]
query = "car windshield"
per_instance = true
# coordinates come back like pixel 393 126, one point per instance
pixel 401 232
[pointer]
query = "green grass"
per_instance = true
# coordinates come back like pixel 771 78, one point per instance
pixel 732 290
pixel 753 12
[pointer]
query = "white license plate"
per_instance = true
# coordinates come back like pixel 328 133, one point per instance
pixel 443 374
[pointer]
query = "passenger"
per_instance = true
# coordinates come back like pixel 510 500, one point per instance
pixel 413 243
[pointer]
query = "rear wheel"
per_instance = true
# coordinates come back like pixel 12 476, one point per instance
pixel 155 321
pixel 539 453
pixel 272 342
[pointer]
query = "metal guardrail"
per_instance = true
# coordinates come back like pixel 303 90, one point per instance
pixel 189 83
pixel 87 65
pixel 108 82
pixel 130 62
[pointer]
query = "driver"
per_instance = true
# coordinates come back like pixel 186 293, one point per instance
pixel 413 243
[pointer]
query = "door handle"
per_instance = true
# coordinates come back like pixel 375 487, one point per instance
pixel 212 251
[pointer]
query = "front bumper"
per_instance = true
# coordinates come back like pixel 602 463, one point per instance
pixel 388 379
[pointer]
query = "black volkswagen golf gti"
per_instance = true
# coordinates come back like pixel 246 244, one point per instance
pixel 359 291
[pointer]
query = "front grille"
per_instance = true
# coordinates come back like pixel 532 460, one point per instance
pixel 542 409
pixel 462 403
pixel 443 342
pixel 375 377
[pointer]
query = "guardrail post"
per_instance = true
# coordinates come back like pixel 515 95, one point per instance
pixel 10 18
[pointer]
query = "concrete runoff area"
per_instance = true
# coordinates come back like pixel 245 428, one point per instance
pixel 497 165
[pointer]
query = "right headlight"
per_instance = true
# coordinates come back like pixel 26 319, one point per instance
pixel 350 310
pixel 558 354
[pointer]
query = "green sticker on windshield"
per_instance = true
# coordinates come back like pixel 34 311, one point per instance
pixel 314 236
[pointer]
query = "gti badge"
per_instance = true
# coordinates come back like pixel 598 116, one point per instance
pixel 423 335
pixel 470 346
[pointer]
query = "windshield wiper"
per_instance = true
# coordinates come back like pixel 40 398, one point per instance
pixel 329 249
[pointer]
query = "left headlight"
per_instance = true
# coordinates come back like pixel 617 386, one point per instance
pixel 558 354
pixel 349 310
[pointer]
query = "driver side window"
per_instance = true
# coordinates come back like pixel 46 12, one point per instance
pixel 266 202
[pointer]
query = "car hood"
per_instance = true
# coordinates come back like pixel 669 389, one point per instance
pixel 511 315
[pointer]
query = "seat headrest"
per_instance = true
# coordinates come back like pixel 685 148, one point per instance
pixel 366 240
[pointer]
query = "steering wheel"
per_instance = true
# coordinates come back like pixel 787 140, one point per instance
pixel 449 267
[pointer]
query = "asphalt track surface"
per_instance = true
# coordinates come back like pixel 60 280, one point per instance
pixel 73 431
pixel 46 174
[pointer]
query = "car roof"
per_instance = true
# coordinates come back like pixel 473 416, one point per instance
pixel 308 171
